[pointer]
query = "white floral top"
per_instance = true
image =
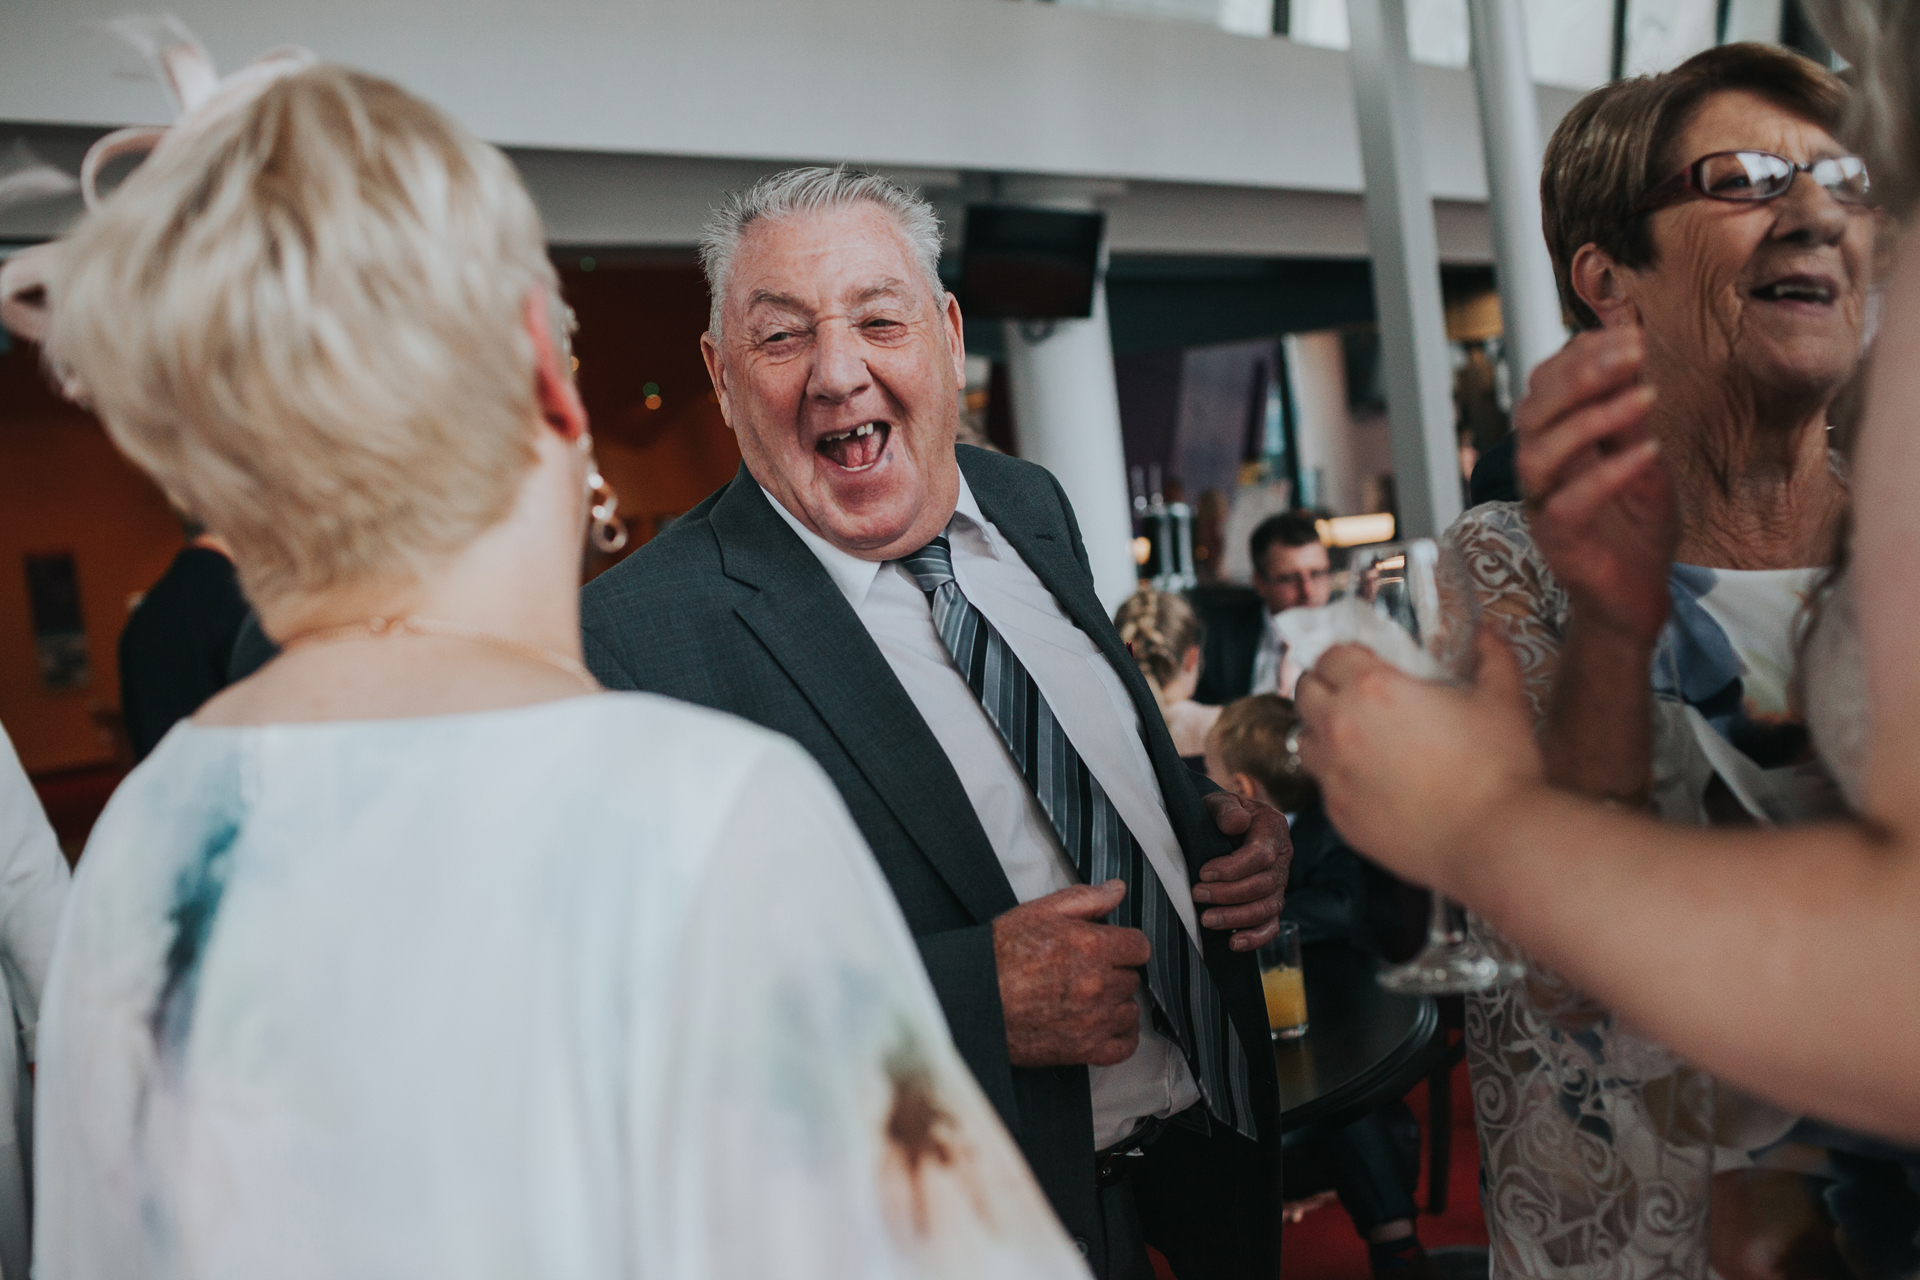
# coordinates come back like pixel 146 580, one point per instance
pixel 607 987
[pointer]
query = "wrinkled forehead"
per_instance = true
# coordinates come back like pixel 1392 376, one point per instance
pixel 1742 120
pixel 823 261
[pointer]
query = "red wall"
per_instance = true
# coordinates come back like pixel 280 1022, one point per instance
pixel 63 487
pixel 641 324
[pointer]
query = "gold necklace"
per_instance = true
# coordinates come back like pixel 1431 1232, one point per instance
pixel 417 626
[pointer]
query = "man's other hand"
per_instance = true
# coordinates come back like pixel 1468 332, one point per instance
pixel 1067 982
pixel 1243 891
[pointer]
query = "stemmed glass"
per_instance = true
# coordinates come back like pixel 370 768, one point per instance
pixel 1424 590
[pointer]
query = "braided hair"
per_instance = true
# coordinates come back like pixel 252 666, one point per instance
pixel 1159 629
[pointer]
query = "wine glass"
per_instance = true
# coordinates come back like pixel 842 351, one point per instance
pixel 1423 590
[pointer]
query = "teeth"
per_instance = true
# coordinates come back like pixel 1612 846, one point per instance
pixel 1796 292
pixel 865 429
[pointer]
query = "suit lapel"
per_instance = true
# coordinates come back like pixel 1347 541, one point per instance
pixel 814 635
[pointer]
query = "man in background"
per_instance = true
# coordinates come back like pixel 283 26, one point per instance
pixel 178 642
pixel 1243 652
pixel 1291 570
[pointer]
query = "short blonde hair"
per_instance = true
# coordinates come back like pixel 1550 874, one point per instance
pixel 307 322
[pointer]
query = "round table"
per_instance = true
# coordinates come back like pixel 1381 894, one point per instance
pixel 1364 1046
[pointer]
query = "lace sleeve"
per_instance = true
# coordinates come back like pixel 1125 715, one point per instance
pixel 1518 592
pixel 1519 595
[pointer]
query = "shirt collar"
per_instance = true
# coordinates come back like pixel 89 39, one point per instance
pixel 855 576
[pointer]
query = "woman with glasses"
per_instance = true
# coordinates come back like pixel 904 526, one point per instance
pixel 1709 228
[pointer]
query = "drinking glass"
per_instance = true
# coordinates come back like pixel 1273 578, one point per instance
pixel 1284 983
pixel 1424 589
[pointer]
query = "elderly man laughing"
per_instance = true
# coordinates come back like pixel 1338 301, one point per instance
pixel 921 618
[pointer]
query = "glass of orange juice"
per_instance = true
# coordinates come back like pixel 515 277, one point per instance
pixel 1284 983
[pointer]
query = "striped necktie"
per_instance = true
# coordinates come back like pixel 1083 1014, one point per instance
pixel 1187 1005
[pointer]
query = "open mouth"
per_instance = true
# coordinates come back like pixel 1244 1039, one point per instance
pixel 1797 289
pixel 857 448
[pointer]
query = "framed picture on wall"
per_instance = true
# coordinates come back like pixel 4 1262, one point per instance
pixel 59 635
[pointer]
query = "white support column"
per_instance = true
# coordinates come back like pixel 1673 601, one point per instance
pixel 1066 410
pixel 1322 426
pixel 1510 130
pixel 1406 270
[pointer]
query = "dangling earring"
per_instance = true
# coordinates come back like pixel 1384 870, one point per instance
pixel 609 530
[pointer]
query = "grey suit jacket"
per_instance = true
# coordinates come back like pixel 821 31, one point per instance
pixel 729 609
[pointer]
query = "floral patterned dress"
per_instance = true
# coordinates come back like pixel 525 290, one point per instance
pixel 1598 1146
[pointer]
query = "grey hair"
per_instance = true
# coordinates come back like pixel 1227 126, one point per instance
pixel 814 190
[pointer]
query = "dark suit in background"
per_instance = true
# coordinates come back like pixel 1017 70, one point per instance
pixel 177 644
pixel 1232 620
pixel 1495 477
pixel 729 609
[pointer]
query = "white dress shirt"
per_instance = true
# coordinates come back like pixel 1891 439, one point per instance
pixel 1274 671
pixel 1090 703
pixel 1266 659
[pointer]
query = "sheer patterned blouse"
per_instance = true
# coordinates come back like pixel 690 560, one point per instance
pixel 606 987
pixel 1598 1146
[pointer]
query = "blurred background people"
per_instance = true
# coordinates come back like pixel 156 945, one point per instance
pixel 178 645
pixel 1291 569
pixel 1164 636
pixel 1373 1165
pixel 1330 894
pixel 414 950
pixel 1701 937
pixel 33 889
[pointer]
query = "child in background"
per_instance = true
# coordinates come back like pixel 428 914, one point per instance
pixel 1327 888
pixel 1163 634
pixel 1373 1164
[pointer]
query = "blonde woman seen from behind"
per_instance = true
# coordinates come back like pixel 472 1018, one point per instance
pixel 415 953
pixel 1163 634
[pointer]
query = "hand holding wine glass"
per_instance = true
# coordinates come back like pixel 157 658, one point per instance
pixel 1423 816
pixel 1413 604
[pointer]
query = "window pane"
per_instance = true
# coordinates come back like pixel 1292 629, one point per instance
pixel 1437 32
pixel 1249 17
pixel 1436 29
pixel 1754 20
pixel 1570 42
pixel 1662 34
pixel 1321 22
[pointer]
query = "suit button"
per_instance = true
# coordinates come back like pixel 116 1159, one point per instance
pixel 1081 1245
